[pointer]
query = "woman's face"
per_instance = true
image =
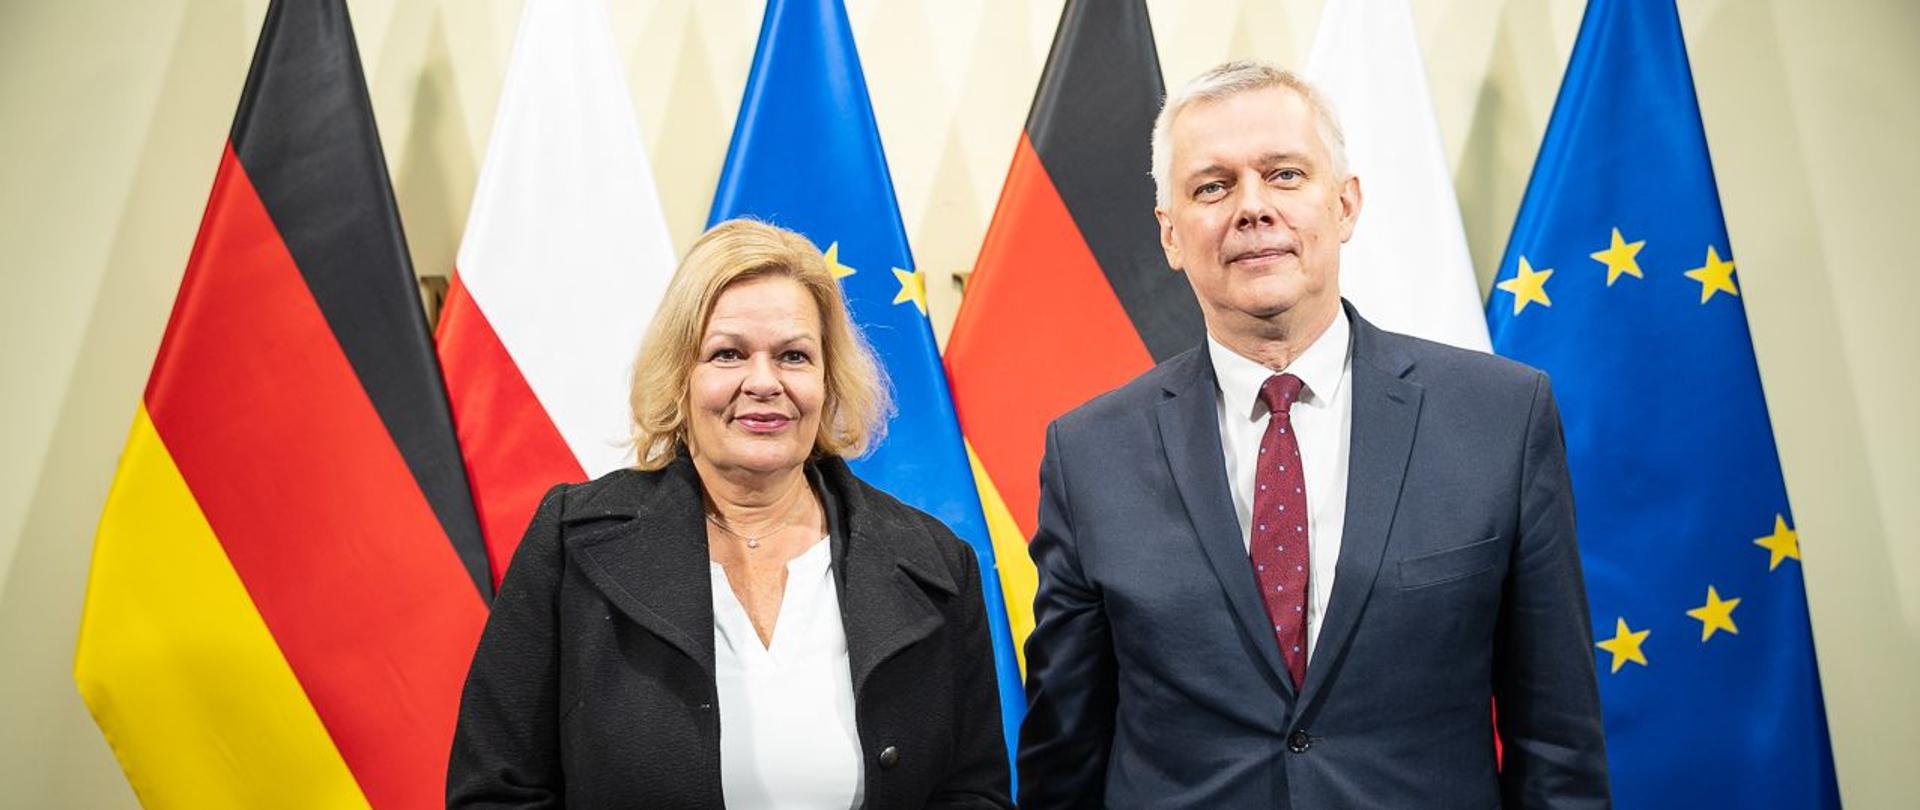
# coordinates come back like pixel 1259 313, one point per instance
pixel 759 382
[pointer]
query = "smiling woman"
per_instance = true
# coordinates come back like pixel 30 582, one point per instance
pixel 755 391
pixel 732 254
pixel 745 622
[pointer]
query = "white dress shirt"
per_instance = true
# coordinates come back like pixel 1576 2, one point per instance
pixel 1323 424
pixel 787 734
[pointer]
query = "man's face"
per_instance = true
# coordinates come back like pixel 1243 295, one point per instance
pixel 1255 216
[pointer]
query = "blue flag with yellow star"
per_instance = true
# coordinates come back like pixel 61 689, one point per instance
pixel 1619 282
pixel 806 155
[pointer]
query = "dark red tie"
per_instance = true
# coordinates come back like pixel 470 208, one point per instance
pixel 1279 538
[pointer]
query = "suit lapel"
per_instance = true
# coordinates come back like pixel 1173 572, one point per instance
pixel 887 568
pixel 1190 432
pixel 1386 409
pixel 651 562
pixel 653 565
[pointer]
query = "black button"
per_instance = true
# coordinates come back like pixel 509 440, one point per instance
pixel 889 757
pixel 1298 742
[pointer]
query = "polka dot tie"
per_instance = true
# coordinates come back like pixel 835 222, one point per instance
pixel 1279 537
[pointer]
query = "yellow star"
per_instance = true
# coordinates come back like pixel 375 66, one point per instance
pixel 1716 614
pixel 1619 258
pixel 1625 645
pixel 913 287
pixel 1715 276
pixel 834 266
pixel 1784 542
pixel 1528 286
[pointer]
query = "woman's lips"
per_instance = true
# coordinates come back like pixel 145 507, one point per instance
pixel 763 422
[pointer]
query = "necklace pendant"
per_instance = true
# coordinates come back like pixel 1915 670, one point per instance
pixel 753 543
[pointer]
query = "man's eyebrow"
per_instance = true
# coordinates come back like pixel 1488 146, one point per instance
pixel 1209 170
pixel 1265 159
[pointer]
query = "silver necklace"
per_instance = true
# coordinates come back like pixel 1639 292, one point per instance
pixel 752 540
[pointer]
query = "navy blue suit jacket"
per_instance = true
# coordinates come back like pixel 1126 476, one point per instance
pixel 1153 676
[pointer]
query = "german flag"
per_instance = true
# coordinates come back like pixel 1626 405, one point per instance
pixel 288 579
pixel 1071 295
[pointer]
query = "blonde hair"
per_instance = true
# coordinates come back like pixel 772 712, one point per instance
pixel 852 419
pixel 1229 79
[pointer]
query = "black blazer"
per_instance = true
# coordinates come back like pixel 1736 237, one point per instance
pixel 593 685
pixel 1153 678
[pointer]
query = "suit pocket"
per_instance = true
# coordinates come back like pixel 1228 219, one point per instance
pixel 1447 565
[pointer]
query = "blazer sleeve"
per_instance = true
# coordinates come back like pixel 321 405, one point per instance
pixel 1071 687
pixel 1545 694
pixel 506 749
pixel 979 775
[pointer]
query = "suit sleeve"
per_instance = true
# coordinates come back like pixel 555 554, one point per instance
pixel 1071 689
pixel 506 746
pixel 1545 693
pixel 979 776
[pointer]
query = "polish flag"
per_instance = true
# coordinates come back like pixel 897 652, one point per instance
pixel 1406 268
pixel 565 257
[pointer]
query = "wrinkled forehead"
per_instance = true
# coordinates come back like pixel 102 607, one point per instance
pixel 1245 126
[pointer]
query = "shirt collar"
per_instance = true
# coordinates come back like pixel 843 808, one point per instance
pixel 1320 367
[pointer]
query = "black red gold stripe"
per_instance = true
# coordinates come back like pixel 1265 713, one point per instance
pixel 305 134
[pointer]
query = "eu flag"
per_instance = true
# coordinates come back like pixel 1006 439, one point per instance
pixel 806 155
pixel 1619 282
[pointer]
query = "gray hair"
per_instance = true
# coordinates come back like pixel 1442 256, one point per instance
pixel 1230 79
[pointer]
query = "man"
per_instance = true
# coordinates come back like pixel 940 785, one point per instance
pixel 1293 566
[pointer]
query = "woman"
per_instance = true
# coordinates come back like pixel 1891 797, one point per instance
pixel 740 620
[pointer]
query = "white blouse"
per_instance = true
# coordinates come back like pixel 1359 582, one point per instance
pixel 787 734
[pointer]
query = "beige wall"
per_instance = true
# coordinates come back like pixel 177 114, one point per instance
pixel 112 115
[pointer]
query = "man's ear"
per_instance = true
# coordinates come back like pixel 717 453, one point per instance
pixel 1350 200
pixel 1166 240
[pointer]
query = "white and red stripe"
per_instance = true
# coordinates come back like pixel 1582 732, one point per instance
pixel 565 257
pixel 1406 268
